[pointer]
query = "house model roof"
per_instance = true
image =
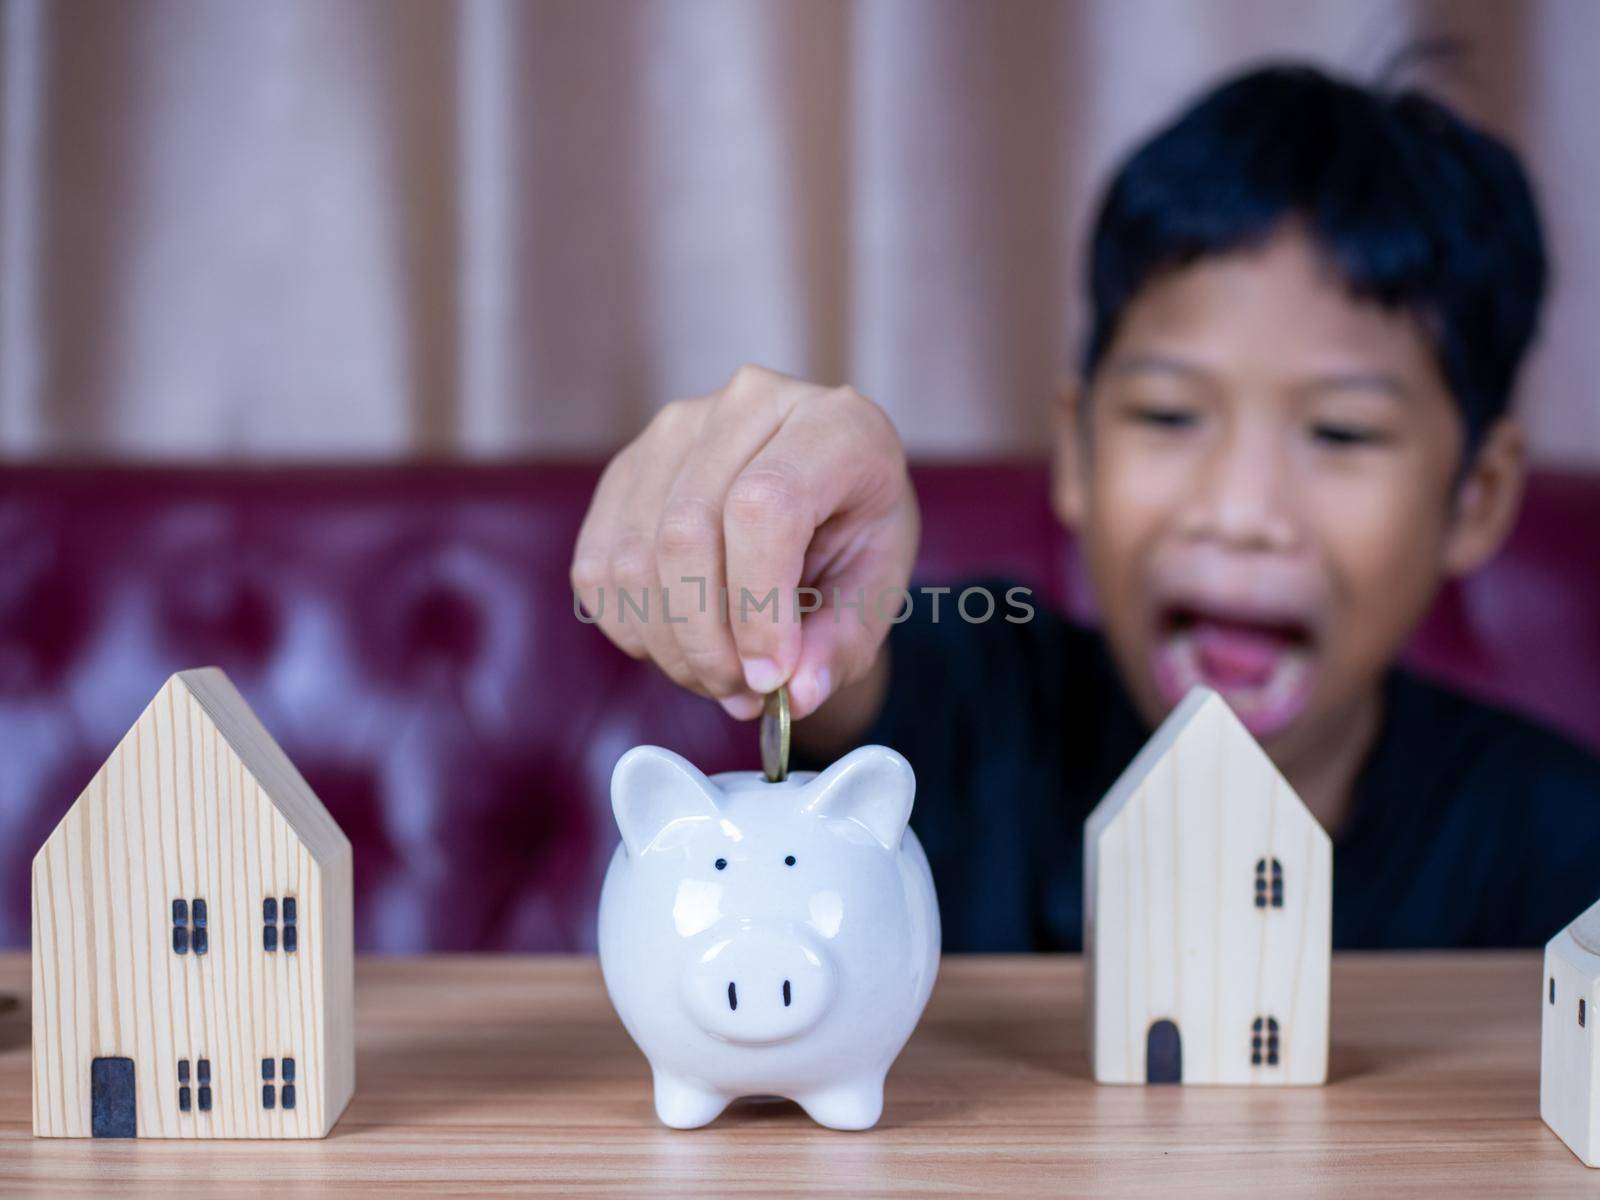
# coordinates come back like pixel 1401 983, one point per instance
pixel 1586 929
pixel 261 757
pixel 1203 714
pixel 277 777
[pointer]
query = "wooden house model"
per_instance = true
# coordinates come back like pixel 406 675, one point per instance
pixel 1568 1076
pixel 1207 913
pixel 192 937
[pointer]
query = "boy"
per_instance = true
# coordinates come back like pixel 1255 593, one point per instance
pixel 1309 304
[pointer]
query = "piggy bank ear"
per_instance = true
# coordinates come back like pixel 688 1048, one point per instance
pixel 872 786
pixel 655 792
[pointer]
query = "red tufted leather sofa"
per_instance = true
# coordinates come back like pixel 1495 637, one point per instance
pixel 407 633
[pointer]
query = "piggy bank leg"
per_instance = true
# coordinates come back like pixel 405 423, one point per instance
pixel 683 1104
pixel 856 1104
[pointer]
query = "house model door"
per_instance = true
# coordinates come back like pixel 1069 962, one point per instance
pixel 1163 1053
pixel 111 1098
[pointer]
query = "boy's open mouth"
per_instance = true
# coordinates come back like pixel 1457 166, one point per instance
pixel 1261 665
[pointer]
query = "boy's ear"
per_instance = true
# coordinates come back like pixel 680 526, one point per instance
pixel 1487 499
pixel 1069 463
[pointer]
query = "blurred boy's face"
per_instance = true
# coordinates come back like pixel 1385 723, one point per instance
pixel 1266 487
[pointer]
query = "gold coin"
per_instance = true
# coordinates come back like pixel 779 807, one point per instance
pixel 775 736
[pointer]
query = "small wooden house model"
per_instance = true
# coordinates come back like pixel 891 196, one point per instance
pixel 192 937
pixel 1567 1069
pixel 1207 913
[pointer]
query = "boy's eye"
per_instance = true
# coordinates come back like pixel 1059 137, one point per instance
pixel 1344 437
pixel 1163 416
pixel 721 864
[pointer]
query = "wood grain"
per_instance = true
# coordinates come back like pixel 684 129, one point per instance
pixel 194 804
pixel 483 1075
pixel 1208 909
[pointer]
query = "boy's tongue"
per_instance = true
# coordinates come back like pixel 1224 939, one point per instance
pixel 1232 655
pixel 1264 671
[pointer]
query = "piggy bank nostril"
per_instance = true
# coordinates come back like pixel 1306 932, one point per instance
pixel 733 996
pixel 786 993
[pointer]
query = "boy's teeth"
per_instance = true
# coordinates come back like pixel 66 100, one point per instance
pixel 1184 660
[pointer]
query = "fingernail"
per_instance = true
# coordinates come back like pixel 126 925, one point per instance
pixel 816 689
pixel 741 707
pixel 761 674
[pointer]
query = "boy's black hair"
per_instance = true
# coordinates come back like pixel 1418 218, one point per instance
pixel 1415 208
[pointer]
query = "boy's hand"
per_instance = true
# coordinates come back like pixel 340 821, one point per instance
pixel 768 484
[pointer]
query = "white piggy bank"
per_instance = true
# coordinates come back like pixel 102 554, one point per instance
pixel 768 938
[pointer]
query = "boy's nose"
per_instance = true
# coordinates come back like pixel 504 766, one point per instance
pixel 1243 500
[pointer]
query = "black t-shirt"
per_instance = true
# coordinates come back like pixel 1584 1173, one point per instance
pixel 1471 826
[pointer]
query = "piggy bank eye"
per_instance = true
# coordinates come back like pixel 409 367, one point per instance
pixel 789 861
pixel 722 864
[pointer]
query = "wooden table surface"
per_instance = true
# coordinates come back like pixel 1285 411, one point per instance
pixel 477 1074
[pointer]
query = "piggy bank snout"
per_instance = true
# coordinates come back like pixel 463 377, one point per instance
pixel 760 986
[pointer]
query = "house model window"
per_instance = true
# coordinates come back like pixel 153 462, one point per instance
pixel 183 937
pixel 269 1091
pixel 1264 868
pixel 1264 1049
pixel 202 1076
pixel 270 936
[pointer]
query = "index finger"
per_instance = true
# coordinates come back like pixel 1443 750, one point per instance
pixel 823 461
